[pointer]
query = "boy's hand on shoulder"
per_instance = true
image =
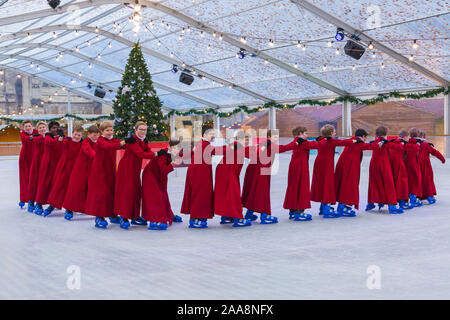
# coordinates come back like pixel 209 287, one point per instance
pixel 122 143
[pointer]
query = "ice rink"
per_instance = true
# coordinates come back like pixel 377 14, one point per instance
pixel 320 259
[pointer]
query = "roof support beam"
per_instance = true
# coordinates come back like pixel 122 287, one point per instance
pixel 350 29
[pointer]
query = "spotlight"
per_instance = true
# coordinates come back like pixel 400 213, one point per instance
pixel 241 54
pixel 339 34
pixel 53 3
pixel 174 68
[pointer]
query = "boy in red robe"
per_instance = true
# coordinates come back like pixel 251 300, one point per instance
pixel 381 182
pixel 256 189
pixel 155 201
pixel 25 160
pixel 298 193
pixel 428 187
pixel 53 148
pixel 75 199
pixel 396 154
pixel 323 185
pixel 128 192
pixel 348 171
pixel 38 151
pixel 227 191
pixel 72 148
pixel 198 199
pixel 412 166
pixel 101 182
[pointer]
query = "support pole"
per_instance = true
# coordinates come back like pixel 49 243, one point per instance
pixel 172 126
pixel 446 115
pixel 217 125
pixel 69 120
pixel 272 118
pixel 346 119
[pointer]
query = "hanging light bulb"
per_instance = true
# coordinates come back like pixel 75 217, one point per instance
pixel 159 43
pixel 171 54
pixel 411 58
pixel 31 64
pixel 243 40
pixel 330 44
pixel 54 35
pixel 90 65
pixel 370 45
pixel 209 47
pixel 180 37
pixel 29 35
pixel 168 26
pixel 324 67
pixel 38 68
pixel 298 44
pixel 271 43
pixel 96 29
pixel 374 55
pixel 337 51
pixel 266 61
pixel 221 37
pixel 382 65
pixel 353 68
pixel 188 29
pixel 77 49
pixel 296 65
pixel 72 80
pixel 77 33
pixel 202 34
pixel 415 45
pixel 214 34
pixel 57 58
pixel 97 38
pixel 109 45
pixel 89 43
pixel 304 47
pixel 99 56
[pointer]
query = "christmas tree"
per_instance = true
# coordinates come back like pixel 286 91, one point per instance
pixel 136 100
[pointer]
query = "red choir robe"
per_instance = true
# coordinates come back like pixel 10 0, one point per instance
pixel 63 171
pixel 256 189
pixel 348 171
pixel 128 191
pixel 38 152
pixel 396 151
pixel 381 182
pixel 198 199
pixel 52 153
pixel 75 199
pixel 227 191
pixel 412 166
pixel 101 182
pixel 323 185
pixel 25 161
pixel 155 200
pixel 298 193
pixel 428 187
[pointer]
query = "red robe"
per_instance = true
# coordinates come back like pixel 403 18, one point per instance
pixel 101 182
pixel 155 200
pixel 381 182
pixel 198 199
pixel 38 152
pixel 348 171
pixel 128 192
pixel 227 191
pixel 428 187
pixel 323 185
pixel 25 160
pixel 75 199
pixel 52 153
pixel 298 193
pixel 412 166
pixel 63 171
pixel 396 154
pixel 256 189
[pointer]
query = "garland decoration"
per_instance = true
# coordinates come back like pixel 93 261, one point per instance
pixel 67 115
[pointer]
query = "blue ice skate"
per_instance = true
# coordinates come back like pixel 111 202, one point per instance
pixel 48 210
pixel 241 222
pixel 394 210
pixel 68 216
pixel 124 223
pixel 345 211
pixel 370 206
pixel 38 210
pixel 414 201
pixel 21 204
pixel 431 200
pixel 100 223
pixel 115 220
pixel 302 217
pixel 380 206
pixel 198 223
pixel 268 219
pixel 322 205
pixel 157 226
pixel 291 214
pixel 139 221
pixel 329 213
pixel 177 218
pixel 404 205
pixel 226 220
pixel 250 215
pixel 31 207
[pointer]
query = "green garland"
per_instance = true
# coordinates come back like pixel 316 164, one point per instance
pixel 67 115
pixel 382 97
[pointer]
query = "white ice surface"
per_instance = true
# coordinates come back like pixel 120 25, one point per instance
pixel 320 259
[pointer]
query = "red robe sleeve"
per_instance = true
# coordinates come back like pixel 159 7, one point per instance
pixel 114 145
pixel 87 149
pixel 342 143
pixel 287 147
pixel 436 153
pixel 164 166
pixel 310 145
pixel 138 151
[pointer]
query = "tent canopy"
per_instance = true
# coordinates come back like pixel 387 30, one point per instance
pixel 290 47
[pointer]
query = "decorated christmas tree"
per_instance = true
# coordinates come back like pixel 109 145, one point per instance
pixel 136 100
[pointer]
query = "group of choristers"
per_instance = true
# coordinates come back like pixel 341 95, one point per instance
pixel 81 175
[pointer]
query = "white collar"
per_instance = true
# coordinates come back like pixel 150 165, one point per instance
pixel 92 139
pixel 106 137
pixel 142 139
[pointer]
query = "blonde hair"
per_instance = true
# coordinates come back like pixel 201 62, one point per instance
pixel 106 124
pixel 78 129
pixel 41 123
pixel 139 123
pixel 327 130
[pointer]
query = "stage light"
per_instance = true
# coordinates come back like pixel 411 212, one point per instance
pixel 53 3
pixel 241 54
pixel 354 49
pixel 174 68
pixel 339 34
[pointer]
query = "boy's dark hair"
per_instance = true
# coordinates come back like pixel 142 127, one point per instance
pixel 27 121
pixel 78 128
pixel 205 128
pixel 403 133
pixel 414 132
pixel 52 124
pixel 173 142
pixel 423 134
pixel 93 129
pixel 298 130
pixel 381 131
pixel 361 133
